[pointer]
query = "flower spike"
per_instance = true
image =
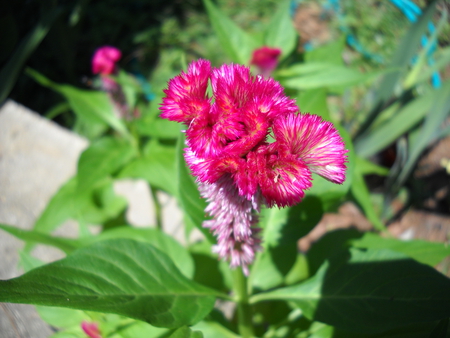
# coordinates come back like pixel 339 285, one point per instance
pixel 237 170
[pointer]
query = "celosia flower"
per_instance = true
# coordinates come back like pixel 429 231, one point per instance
pixel 105 59
pixel 237 168
pixel 104 63
pixel 266 59
pixel 91 329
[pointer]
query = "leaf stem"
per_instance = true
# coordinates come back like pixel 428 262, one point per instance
pixel 243 307
pixel 158 212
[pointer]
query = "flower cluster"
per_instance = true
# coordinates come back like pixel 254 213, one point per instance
pixel 247 145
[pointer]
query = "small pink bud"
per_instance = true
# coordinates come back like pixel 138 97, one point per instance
pixel 266 59
pixel 91 329
pixel 104 60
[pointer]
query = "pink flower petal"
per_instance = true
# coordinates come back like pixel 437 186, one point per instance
pixel 314 141
pixel 91 329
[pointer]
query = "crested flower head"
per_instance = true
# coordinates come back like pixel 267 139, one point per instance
pixel 266 59
pixel 105 59
pixel 248 145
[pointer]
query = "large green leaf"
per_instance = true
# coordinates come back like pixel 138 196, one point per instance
pixel 103 158
pixel 156 166
pixel 430 253
pixel 234 41
pixel 93 206
pixel 124 277
pixel 90 106
pixel 280 32
pixel 375 290
pixel 179 254
pixel 191 201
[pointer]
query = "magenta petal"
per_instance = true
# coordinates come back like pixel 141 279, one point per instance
pixel 316 142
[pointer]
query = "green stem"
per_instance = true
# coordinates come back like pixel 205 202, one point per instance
pixel 243 307
pixel 158 208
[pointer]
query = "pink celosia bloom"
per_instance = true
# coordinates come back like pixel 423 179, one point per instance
pixel 105 59
pixel 266 59
pixel 91 329
pixel 104 63
pixel 237 168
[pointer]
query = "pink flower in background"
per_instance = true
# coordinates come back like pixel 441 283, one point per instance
pixel 104 63
pixel 91 329
pixel 266 59
pixel 237 168
pixel 105 59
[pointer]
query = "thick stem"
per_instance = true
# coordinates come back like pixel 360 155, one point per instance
pixel 243 307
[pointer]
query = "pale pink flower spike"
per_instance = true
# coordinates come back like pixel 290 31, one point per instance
pixel 238 170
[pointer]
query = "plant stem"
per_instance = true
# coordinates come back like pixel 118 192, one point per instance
pixel 243 307
pixel 157 208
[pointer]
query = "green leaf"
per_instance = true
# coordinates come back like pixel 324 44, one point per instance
pixel 91 106
pixel 189 197
pixel 179 254
pixel 442 59
pixel 314 101
pixel 185 332
pixel 103 158
pixel 330 53
pixel 65 244
pixel 158 128
pixel 441 330
pixel 362 195
pixel 330 76
pixel 139 329
pixel 419 330
pixel 93 206
pixel 124 277
pixel 374 291
pixel 407 48
pixel 60 317
pixel 214 329
pixel 282 228
pixel 431 126
pixel 430 253
pixel 402 121
pixel 366 167
pixel 280 32
pixel 11 69
pixel 234 41
pixel 208 270
pixel 156 166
